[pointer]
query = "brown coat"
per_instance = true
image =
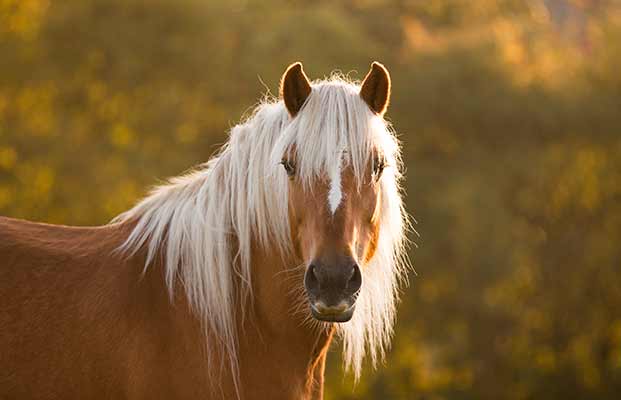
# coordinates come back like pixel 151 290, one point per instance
pixel 79 321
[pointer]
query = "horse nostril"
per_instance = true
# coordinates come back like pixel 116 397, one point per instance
pixel 355 280
pixel 310 280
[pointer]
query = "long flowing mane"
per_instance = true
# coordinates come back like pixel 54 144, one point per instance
pixel 203 224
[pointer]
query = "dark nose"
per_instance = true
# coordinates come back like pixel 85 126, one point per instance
pixel 333 284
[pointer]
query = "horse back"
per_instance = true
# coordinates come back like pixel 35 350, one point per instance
pixel 49 269
pixel 77 319
pixel 80 320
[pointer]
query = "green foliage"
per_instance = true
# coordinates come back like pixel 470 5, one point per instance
pixel 511 131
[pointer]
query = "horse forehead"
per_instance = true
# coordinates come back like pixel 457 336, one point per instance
pixel 341 184
pixel 335 194
pixel 331 189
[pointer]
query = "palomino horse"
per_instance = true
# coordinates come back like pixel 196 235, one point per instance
pixel 229 282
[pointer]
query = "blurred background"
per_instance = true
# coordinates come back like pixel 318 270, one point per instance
pixel 510 117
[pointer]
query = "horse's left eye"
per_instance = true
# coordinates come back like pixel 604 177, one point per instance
pixel 379 163
pixel 289 167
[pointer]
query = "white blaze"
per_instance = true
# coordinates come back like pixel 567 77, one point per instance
pixel 335 195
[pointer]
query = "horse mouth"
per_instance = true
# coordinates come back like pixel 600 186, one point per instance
pixel 331 314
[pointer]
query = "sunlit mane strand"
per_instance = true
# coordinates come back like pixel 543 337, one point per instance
pixel 203 225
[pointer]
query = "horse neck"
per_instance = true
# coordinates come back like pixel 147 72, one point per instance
pixel 276 347
pixel 276 333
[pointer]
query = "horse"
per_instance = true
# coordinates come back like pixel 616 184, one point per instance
pixel 229 282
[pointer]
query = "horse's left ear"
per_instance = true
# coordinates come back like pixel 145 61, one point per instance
pixel 375 90
pixel 294 88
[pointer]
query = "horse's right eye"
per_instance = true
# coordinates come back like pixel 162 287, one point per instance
pixel 289 167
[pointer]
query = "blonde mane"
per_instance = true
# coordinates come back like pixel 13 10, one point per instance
pixel 203 224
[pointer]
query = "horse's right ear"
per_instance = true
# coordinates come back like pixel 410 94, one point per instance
pixel 294 88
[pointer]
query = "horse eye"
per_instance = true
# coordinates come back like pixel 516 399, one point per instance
pixel 379 163
pixel 289 167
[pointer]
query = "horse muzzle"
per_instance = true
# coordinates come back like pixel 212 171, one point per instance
pixel 332 290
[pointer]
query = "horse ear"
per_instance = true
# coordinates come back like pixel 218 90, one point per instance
pixel 294 88
pixel 375 90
